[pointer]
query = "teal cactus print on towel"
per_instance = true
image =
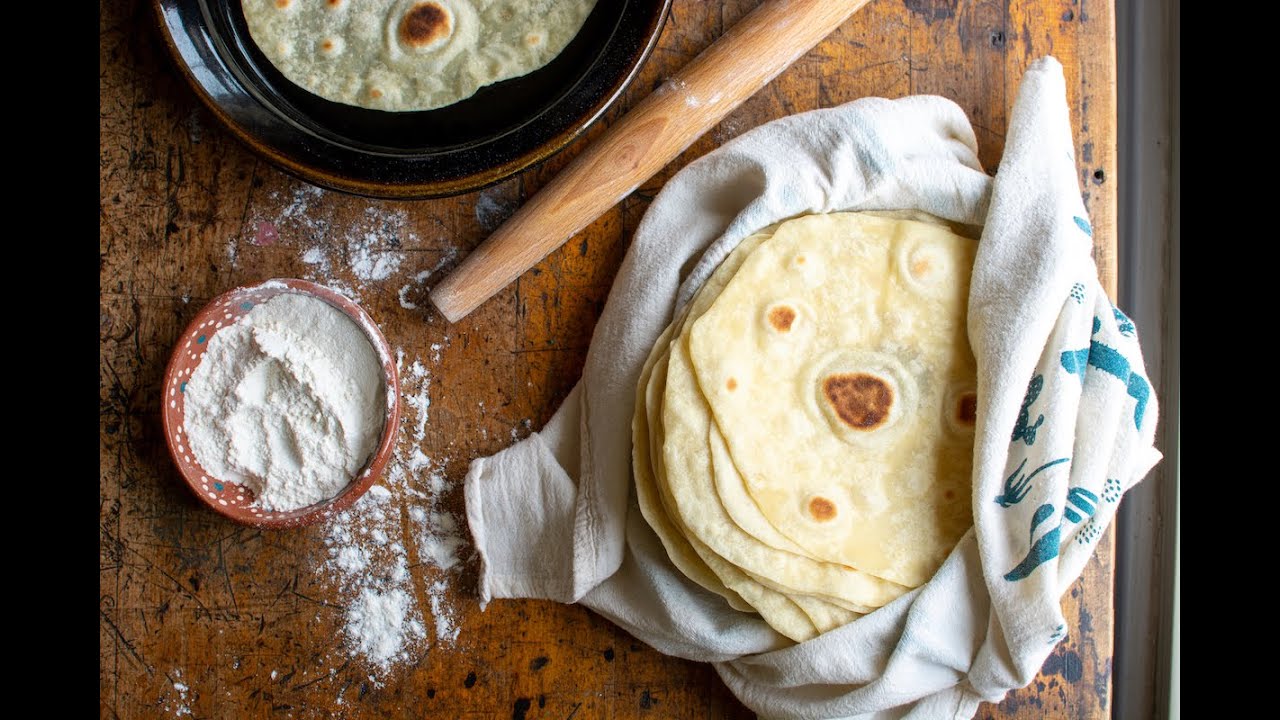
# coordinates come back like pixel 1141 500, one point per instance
pixel 1024 430
pixel 1109 360
pixel 1081 504
pixel 1077 293
pixel 1016 486
pixel 1042 550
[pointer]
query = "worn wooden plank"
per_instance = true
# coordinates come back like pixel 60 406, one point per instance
pixel 203 617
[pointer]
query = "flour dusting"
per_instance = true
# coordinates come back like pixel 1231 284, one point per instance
pixel 395 553
pixel 415 391
pixel 415 286
pixel 392 558
pixel 344 258
pixel 369 261
pixel 181 707
pixel 381 625
pixel 493 209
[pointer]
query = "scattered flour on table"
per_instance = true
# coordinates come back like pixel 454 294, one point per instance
pixel 446 621
pixel 314 256
pixel 398 545
pixel 415 284
pixel 493 207
pixel 728 129
pixel 407 288
pixel 380 625
pixel 179 707
pixel 393 556
pixel 344 258
pixel 370 263
pixel 369 250
pixel 419 399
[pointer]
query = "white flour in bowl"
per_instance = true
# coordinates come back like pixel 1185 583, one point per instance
pixel 289 402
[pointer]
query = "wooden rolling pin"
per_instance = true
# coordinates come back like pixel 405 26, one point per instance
pixel 743 60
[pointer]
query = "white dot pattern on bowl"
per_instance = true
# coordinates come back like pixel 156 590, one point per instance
pixel 197 342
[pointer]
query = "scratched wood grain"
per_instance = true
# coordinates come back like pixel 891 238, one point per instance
pixel 187 598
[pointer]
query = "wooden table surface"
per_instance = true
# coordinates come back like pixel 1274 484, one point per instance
pixel 205 618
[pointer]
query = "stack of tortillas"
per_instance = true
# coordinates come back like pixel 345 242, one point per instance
pixel 803 436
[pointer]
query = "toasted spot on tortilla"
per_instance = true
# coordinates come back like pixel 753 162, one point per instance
pixel 822 509
pixel 781 318
pixel 861 400
pixel 424 24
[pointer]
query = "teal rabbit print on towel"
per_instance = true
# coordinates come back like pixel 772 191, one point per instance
pixel 1017 485
pixel 1109 360
pixel 1024 430
pixel 1081 504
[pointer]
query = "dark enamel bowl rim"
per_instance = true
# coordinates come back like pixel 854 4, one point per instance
pixel 187 31
pixel 368 475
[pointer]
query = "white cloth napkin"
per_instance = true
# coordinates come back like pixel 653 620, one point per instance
pixel 1064 428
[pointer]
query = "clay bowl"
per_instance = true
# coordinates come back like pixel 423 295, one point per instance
pixel 231 499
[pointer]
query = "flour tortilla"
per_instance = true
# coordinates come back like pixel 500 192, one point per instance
pixel 685 423
pixel 692 558
pixel 837 367
pixel 686 484
pixel 403 55
pixel 798 617
pixel 678 549
pixel 726 476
